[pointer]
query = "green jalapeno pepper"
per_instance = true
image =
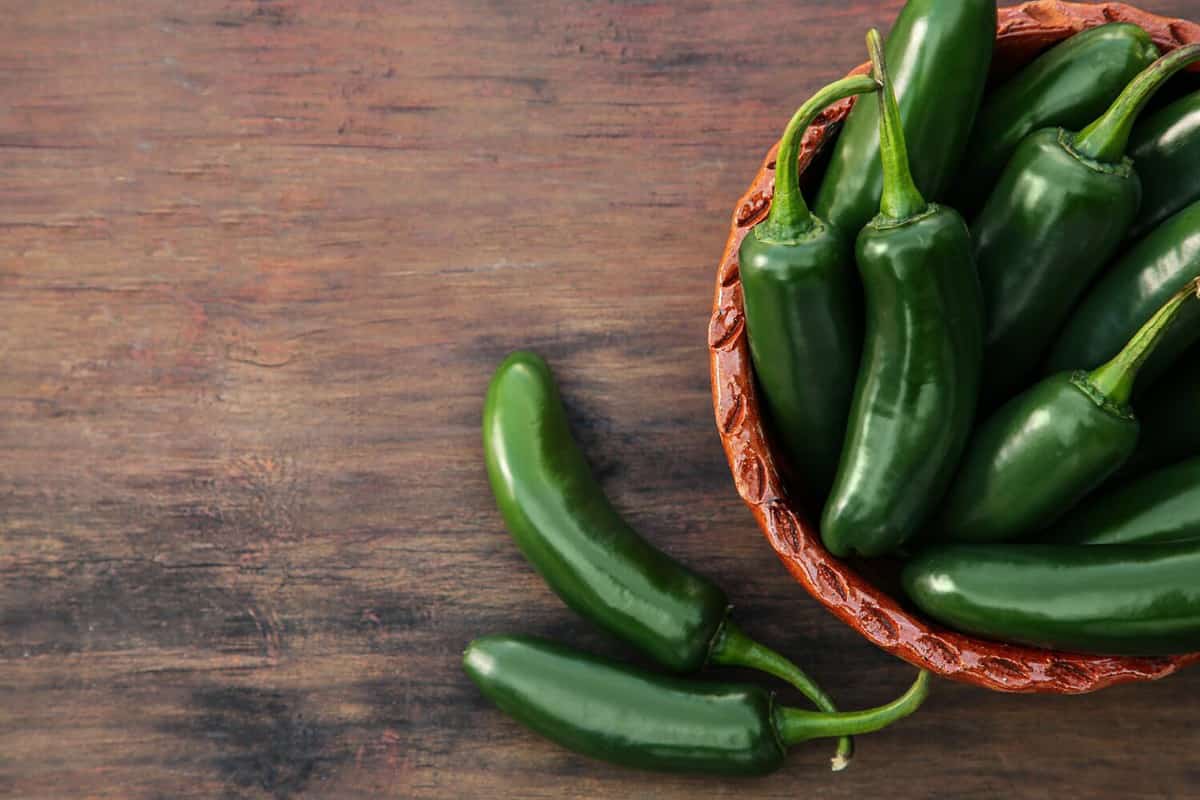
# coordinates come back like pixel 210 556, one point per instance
pixel 1067 86
pixel 1129 292
pixel 1058 213
pixel 1048 447
pixel 801 310
pixel 1163 506
pixel 1170 419
pixel 919 375
pixel 638 719
pixel 1166 148
pixel 564 525
pixel 939 52
pixel 1121 599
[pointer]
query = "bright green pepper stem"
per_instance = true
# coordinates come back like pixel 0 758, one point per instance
pixel 1105 139
pixel 789 218
pixel 796 725
pixel 735 649
pixel 1116 378
pixel 901 198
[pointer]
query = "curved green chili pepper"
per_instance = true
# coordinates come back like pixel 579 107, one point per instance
pixel 1048 447
pixel 1166 149
pixel 1163 506
pixel 919 375
pixel 563 523
pixel 1141 599
pixel 1170 419
pixel 801 310
pixel 638 719
pixel 1129 292
pixel 1059 211
pixel 939 52
pixel 1067 86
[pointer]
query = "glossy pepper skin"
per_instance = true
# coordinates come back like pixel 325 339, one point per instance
pixel 568 530
pixel 802 312
pixel 1170 419
pixel 939 52
pixel 1163 506
pixel 1129 293
pixel 1166 148
pixel 1067 86
pixel 1060 210
pixel 639 719
pixel 1035 458
pixel 1048 447
pixel 563 523
pixel 1050 224
pixel 1112 600
pixel 917 383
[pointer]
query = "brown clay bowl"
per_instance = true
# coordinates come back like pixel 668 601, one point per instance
pixel 1022 32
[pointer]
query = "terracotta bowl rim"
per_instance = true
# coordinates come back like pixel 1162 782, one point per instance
pixel 1021 32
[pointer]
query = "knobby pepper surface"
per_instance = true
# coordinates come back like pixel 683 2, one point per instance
pixel 939 52
pixel 917 383
pixel 802 313
pixel 1060 210
pixel 1048 447
pixel 638 719
pixel 565 526
pixel 1065 87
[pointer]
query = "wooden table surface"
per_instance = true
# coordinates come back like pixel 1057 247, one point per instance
pixel 258 260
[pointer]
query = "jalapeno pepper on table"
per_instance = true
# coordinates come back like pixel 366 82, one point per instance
pixel 1042 452
pixel 638 719
pixel 802 312
pixel 1166 148
pixel 939 52
pixel 565 526
pixel 918 379
pixel 1163 506
pixel 1061 208
pixel 1120 599
pixel 1067 86
pixel 1129 292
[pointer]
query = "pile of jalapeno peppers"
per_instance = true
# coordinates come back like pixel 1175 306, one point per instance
pixel 990 434
pixel 951 386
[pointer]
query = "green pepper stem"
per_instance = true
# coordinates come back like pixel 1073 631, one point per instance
pixel 1105 139
pixel 1116 378
pixel 789 217
pixel 735 649
pixel 797 725
pixel 901 198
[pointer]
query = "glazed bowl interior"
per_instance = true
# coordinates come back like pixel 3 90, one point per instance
pixel 863 593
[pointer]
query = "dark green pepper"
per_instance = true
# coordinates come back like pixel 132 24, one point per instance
pixel 939 52
pixel 1058 213
pixel 638 719
pixel 917 383
pixel 1170 419
pixel 600 567
pixel 1067 86
pixel 1121 599
pixel 1048 447
pixel 1128 294
pixel 1163 506
pixel 801 310
pixel 1166 149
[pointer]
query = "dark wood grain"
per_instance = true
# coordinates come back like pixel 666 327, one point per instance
pixel 257 261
